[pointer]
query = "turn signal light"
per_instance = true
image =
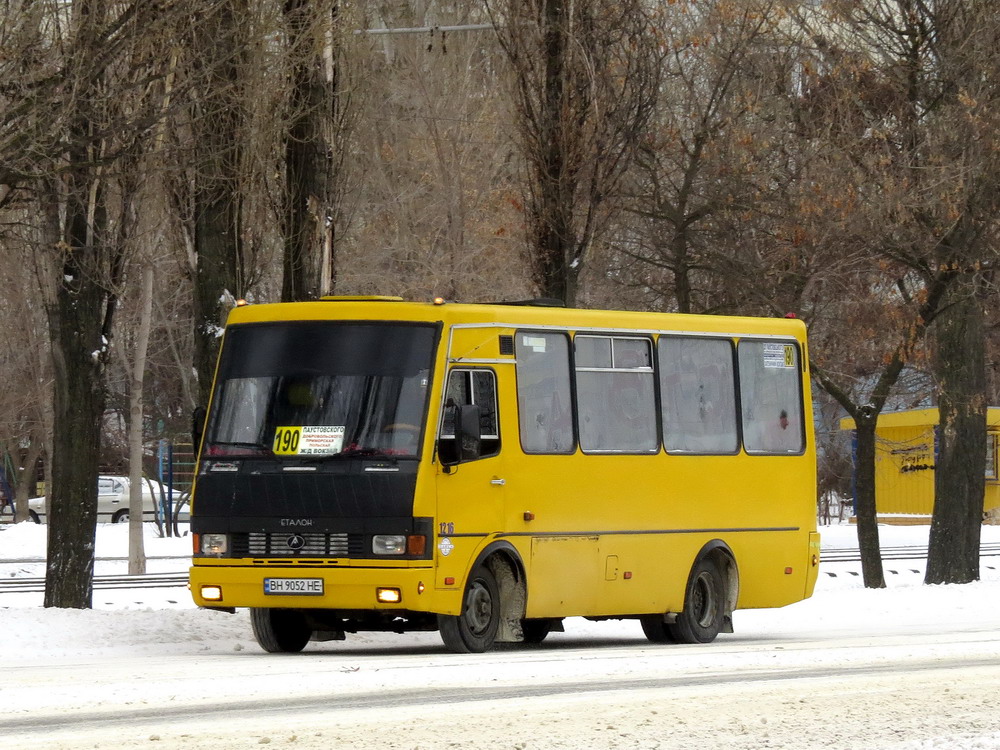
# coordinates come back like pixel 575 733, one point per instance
pixel 416 544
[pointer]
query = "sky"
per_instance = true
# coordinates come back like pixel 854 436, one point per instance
pixel 163 628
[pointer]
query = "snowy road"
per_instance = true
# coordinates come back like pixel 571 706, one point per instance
pixel 604 687
pixel 908 667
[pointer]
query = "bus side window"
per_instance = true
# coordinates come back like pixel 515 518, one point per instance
pixel 544 394
pixel 475 387
pixel 698 404
pixel 771 397
pixel 615 394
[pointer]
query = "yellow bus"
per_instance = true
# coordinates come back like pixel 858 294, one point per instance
pixel 487 470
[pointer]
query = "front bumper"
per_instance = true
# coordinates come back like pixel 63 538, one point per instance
pixel 343 588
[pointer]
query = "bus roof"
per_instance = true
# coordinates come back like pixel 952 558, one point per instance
pixel 510 314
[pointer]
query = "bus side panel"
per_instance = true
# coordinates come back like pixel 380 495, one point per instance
pixel 646 573
pixel 650 516
pixel 564 571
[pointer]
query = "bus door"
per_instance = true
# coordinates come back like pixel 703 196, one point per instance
pixel 470 488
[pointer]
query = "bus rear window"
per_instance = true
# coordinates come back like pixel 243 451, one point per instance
pixel 771 397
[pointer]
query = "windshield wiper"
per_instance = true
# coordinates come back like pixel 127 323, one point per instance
pixel 237 449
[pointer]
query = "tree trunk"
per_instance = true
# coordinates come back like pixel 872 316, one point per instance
pixel 682 271
pixel 309 149
pixel 26 478
pixel 585 81
pixel 78 355
pixel 555 180
pixel 218 133
pixel 865 420
pixel 959 477
pixel 215 282
pixel 77 327
pixel 136 550
pixel 864 499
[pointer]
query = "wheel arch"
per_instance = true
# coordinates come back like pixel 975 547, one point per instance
pixel 722 555
pixel 505 562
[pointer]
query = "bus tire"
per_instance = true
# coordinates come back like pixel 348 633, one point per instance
pixel 655 629
pixel 279 630
pixel 704 605
pixel 475 629
pixel 535 631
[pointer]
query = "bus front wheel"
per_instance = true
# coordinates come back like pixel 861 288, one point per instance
pixel 704 605
pixel 279 630
pixel 475 629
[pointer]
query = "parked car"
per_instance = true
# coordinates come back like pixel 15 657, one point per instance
pixel 113 501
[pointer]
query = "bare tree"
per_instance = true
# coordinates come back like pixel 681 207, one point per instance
pixel 584 81
pixel 706 162
pixel 901 117
pixel 433 209
pixel 932 69
pixel 312 156
pixel 85 109
pixel 210 197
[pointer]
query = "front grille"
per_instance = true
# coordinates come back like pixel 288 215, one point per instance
pixel 285 544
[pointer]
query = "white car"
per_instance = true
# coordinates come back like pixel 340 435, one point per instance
pixel 113 501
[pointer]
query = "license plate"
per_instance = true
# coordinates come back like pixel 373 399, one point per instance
pixel 299 586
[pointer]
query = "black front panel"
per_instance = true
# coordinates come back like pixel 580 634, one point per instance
pixel 322 497
pixel 331 513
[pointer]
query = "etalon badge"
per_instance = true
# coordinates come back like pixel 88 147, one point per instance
pixel 445 547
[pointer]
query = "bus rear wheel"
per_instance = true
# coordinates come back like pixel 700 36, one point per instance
pixel 279 630
pixel 704 605
pixel 655 629
pixel 535 631
pixel 475 629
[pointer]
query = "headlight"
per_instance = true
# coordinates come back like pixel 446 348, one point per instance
pixel 214 544
pixel 388 544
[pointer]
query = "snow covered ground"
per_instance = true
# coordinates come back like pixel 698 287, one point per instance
pixel 910 667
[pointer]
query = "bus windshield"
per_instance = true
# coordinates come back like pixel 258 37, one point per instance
pixel 321 390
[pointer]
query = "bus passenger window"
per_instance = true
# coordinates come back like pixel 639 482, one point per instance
pixel 771 397
pixel 616 401
pixel 544 396
pixel 697 390
pixel 476 387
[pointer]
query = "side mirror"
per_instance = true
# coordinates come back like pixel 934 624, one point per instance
pixel 197 427
pixel 468 435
